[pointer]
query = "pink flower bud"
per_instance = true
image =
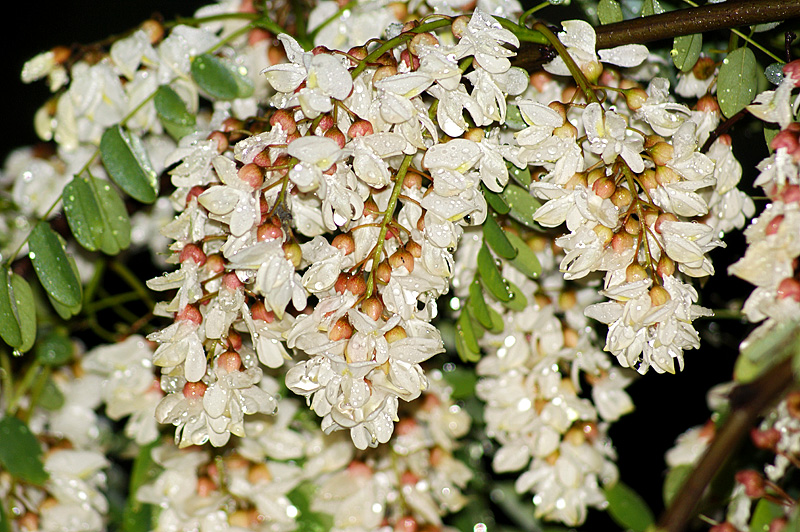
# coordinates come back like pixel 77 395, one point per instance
pixel 194 390
pixel 191 314
pixel 792 71
pixel 789 288
pixel 752 481
pixel 194 253
pixel 360 128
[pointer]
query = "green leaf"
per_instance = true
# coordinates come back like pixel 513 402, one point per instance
pixel 782 339
pixel 127 163
pixel 491 277
pixel 651 7
pixel 674 480
pixel 494 200
pixel 686 51
pixel 627 508
pixel 51 397
pixel 477 305
pixel 514 118
pixel 17 311
pixel 763 515
pixel 737 81
pixel 497 322
pixel 518 302
pixel 462 382
pixel 466 329
pixel 20 453
pixel 173 112
pixel 609 11
pixel 494 235
pixel 52 265
pixel 526 260
pixel 307 519
pixel 221 79
pixel 520 175
pixel 96 215
pixel 5 524
pixel 522 204
pixel 138 516
pixel 55 349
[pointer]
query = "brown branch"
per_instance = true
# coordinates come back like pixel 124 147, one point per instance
pixel 680 22
pixel 747 402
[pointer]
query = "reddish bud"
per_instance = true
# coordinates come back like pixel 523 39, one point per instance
pixel 793 404
pixel 792 71
pixel 360 128
pixel 194 253
pixel 215 263
pixel 356 284
pixel 231 281
pixel 604 187
pixel 635 272
pixel 252 174
pixel 383 273
pixel 341 330
pixel 753 483
pixel 194 390
pixel 765 439
pixel 221 140
pixel 344 242
pixel 372 307
pixel 774 225
pixel 704 68
pixel 191 314
pixel 406 524
pixel 402 258
pixel 268 231
pixel 193 193
pixel 229 361
pixel 789 288
pixel 337 136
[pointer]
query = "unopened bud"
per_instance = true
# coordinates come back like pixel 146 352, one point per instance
pixel 704 68
pixel 356 285
pixel 659 296
pixel 635 98
pixel 194 390
pixel 622 197
pixel 251 174
pixel 459 26
pixel 666 267
pixel 752 481
pixel 192 252
pixel 293 253
pixel 604 187
pixel 421 39
pixel 662 153
pixel 372 307
pixel 229 361
pixel 635 272
pixel 344 242
pixel 337 136
pixel 360 128
pixel 285 119
pixel 383 273
pixel 402 258
pixel 341 330
pixel 395 333
pixel 220 140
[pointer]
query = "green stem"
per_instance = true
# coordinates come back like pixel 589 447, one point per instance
pixel 132 280
pixel 397 41
pixel 6 375
pixel 349 5
pixel 23 386
pixel 388 216
pixel 577 75
pixel 37 389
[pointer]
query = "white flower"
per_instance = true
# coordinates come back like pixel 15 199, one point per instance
pixel 316 155
pixel 580 40
pixel 608 136
pixel 324 75
pixel 235 202
pixel 483 39
pixel 664 117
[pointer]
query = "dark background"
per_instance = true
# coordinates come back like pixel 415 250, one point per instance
pixel 665 405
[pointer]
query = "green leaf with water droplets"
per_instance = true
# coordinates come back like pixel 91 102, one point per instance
pixel 517 302
pixel 627 508
pixel 526 260
pixel 96 215
pixel 520 175
pixel 764 514
pixel 466 341
pixel 128 165
pixel 490 275
pixel 494 235
pixel 173 112
pixel 20 453
pixel 55 349
pixel 609 11
pixel 651 7
pixel 52 265
pixel 737 81
pixel 17 311
pixel 477 305
pixel 494 200
pixel 686 51
pixel 522 204
pixel 221 79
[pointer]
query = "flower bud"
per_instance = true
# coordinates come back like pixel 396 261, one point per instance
pixel 635 272
pixel 221 140
pixel 752 481
pixel 635 98
pixel 337 136
pixel 360 128
pixel 666 175
pixel 192 252
pixel 251 174
pixel 659 296
pixel 356 284
pixel 191 314
pixel 604 187
pixel 194 390
pixel 765 439
pixel 414 248
pixel 793 404
pixel 622 242
pixel 259 473
pixel 372 307
pixel 285 119
pixel 229 361
pixel 395 333
pixel 648 179
pixel 791 70
pixel 344 242
pixel 663 217
pixel 341 330
pixel 402 258
pixel 421 39
pixel 704 68
pixel 293 253
pixel 774 225
pixel 622 198
pixel 665 267
pixel 662 153
pixel 383 273
pixel 604 234
pixel 459 26
pixel 268 231
pixel 707 104
pixel 215 263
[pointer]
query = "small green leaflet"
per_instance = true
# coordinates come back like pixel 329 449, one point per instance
pixel 496 237
pixel 173 112
pixel 651 7
pixel 491 277
pixel 478 306
pixel 522 205
pixel 51 397
pixel 17 311
pixel 674 481
pixel 221 79
pixel 53 267
pixel 627 508
pixel 494 200
pixel 526 260
pixel 782 340
pixel 55 349
pixel 763 515
pixel 686 51
pixel 127 163
pixel 520 175
pixel 21 454
pixel 466 342
pixel 517 302
pixel 609 11
pixel 96 215
pixel 137 516
pixel 737 81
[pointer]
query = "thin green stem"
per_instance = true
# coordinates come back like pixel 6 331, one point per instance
pixel 23 386
pixel 388 216
pixel 6 377
pixel 133 281
pixel 574 70
pixel 397 41
pixel 349 5
pixel 524 17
